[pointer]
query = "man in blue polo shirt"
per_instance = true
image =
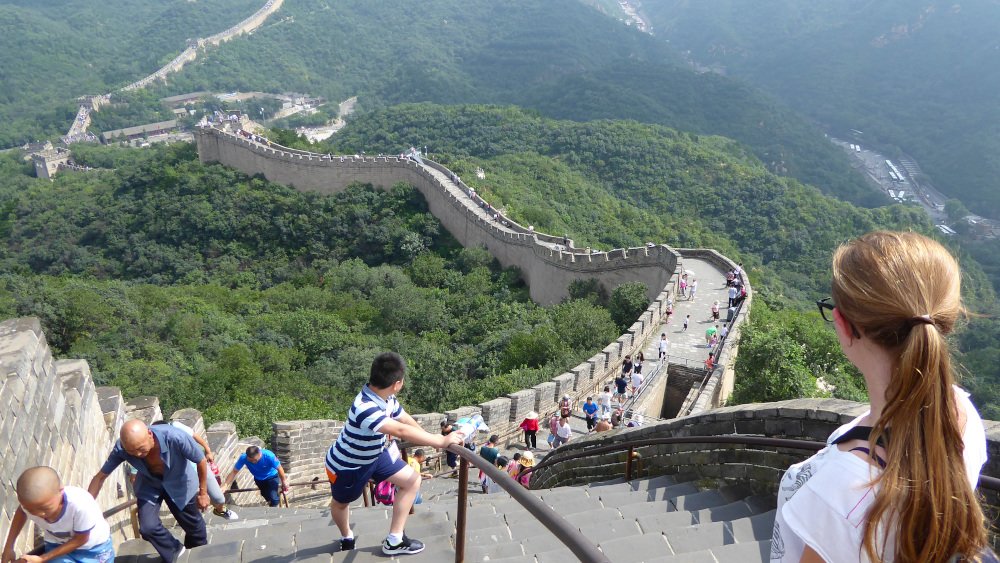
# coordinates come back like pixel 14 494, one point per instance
pixel 362 452
pixel 266 470
pixel 160 456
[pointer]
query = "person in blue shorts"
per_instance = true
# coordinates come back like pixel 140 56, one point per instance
pixel 267 473
pixel 70 519
pixel 362 452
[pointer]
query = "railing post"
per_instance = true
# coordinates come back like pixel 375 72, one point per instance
pixel 628 464
pixel 463 505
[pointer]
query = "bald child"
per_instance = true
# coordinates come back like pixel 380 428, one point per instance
pixel 73 526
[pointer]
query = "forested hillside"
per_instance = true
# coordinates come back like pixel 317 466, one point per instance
pixel 560 56
pixel 53 52
pixel 613 183
pixel 254 302
pixel 921 76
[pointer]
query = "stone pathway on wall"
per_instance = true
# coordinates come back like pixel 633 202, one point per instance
pixel 685 346
pixel 690 345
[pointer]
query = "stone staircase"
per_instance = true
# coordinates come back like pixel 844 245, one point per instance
pixel 649 520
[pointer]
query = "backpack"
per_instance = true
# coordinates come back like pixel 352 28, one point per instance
pixel 385 493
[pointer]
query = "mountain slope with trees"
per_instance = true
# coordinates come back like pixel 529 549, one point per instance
pixel 254 302
pixel 614 183
pixel 919 77
pixel 561 57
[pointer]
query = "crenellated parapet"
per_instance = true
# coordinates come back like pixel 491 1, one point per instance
pixel 547 263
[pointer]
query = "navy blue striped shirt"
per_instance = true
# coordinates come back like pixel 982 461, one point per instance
pixel 360 442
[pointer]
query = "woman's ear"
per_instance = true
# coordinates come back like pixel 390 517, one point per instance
pixel 845 328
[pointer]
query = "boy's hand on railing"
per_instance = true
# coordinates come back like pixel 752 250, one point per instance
pixel 455 438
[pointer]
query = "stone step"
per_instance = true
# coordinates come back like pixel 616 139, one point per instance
pixel 658 519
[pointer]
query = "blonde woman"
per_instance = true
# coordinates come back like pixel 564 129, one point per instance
pixel 895 484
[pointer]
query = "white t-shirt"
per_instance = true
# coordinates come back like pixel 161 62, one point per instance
pixel 565 431
pixel 663 345
pixel 823 501
pixel 636 380
pixel 604 399
pixel 81 513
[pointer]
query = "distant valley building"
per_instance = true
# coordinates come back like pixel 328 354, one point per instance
pixel 139 131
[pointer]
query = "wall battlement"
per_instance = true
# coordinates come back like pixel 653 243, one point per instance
pixel 547 263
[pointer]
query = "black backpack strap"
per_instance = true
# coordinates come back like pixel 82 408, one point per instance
pixel 878 458
pixel 860 433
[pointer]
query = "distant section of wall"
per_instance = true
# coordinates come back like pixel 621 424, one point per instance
pixel 719 386
pixel 191 52
pixel 547 263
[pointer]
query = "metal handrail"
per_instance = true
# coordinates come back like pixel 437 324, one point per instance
pixel 120 507
pixel 985 481
pixel 570 536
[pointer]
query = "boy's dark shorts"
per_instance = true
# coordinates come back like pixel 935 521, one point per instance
pixel 349 484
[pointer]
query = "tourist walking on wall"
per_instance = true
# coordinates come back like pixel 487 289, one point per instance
pixel 664 344
pixel 621 386
pixel 450 458
pixel 267 473
pixel 636 383
pixel 553 429
pixel 604 424
pixel 637 364
pixel 687 321
pixel 604 400
pixel 733 292
pixel 565 406
pixel 715 310
pixel 530 427
pixel 360 454
pixel 589 408
pixel 563 432
pixel 897 482
pixel 160 455
pixel 710 334
pixel 214 486
pixel 526 462
pixel 692 290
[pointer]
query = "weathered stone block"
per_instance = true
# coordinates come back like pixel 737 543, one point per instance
pixel 545 402
pixel 496 412
pixel 564 385
pixel 521 403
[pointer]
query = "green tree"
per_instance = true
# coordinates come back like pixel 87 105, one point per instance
pixel 955 209
pixel 627 302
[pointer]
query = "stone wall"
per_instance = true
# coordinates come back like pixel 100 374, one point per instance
pixel 51 414
pixel 301 446
pixel 758 466
pixel 547 265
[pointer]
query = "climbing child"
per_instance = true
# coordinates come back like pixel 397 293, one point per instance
pixel 73 526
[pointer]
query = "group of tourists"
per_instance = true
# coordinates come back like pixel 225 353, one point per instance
pixel 166 463
pixel 896 483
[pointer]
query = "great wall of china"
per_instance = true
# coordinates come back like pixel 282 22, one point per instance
pixel 54 414
pixel 90 104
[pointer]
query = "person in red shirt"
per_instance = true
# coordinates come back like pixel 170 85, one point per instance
pixel 530 427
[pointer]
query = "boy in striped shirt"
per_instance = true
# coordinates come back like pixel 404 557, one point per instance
pixel 362 452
